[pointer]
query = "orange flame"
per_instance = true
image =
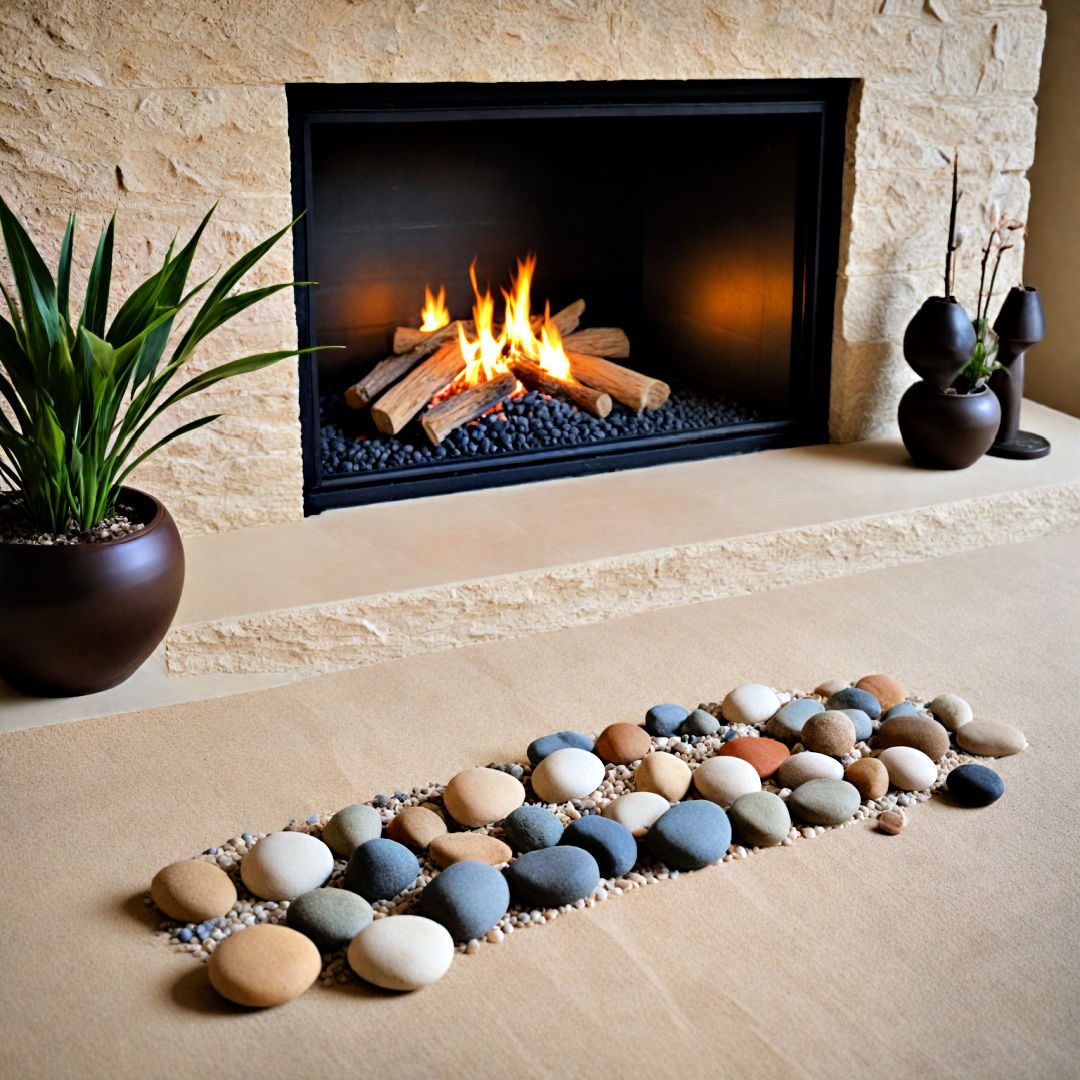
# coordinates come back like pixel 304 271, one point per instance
pixel 434 313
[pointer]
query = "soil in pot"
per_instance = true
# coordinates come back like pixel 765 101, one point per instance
pixel 947 430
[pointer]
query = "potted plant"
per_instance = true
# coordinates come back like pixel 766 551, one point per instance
pixel 951 418
pixel 91 570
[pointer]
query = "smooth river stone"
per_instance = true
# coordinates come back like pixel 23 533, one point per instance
pixel 612 845
pixel 863 725
pixel 637 810
pixel 974 785
pixel 283 865
pixel 553 876
pixel 824 802
pixel 665 720
pixel 620 744
pixel 884 687
pixel 990 738
pixel 415 827
pixel 478 797
pixel 665 774
pixel 567 774
pixel 829 687
pixel 759 819
pixel 909 769
pixel 919 731
pixel 561 740
pixel 852 698
pixel 380 869
pixel 788 722
pixel 699 722
pixel 468 898
pixel 530 828
pixel 869 776
pixel 750 704
pixel 469 847
pixel 766 755
pixel 351 827
pixel 801 768
pixel 330 917
pixel 402 952
pixel 723 779
pixel 193 890
pixel 264 965
pixel 830 732
pixel 690 835
pixel 905 708
pixel 950 711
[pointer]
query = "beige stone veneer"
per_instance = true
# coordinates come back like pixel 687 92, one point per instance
pixel 157 109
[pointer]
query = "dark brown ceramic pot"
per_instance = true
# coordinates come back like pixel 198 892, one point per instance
pixel 939 340
pixel 947 431
pixel 79 618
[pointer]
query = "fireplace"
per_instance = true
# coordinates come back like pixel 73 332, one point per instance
pixel 699 219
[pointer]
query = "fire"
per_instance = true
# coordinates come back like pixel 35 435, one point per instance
pixel 434 312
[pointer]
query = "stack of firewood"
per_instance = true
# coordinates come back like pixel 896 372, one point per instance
pixel 425 363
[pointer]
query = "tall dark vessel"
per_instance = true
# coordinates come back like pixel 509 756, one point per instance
pixel 1019 325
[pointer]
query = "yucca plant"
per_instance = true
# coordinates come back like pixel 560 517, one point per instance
pixel 80 393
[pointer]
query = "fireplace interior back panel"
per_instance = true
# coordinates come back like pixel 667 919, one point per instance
pixel 705 226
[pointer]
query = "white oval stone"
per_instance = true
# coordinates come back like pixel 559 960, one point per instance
pixel 723 779
pixel 283 865
pixel 909 769
pixel 567 774
pixel 750 704
pixel 950 711
pixel 637 810
pixel 402 952
pixel 798 768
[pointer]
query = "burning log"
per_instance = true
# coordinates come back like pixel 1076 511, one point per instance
pixel 404 400
pixel 388 371
pixel 598 341
pixel 633 389
pixel 467 405
pixel 406 338
pixel 584 397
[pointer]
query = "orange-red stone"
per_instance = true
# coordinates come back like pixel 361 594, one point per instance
pixel 765 755
pixel 619 744
pixel 884 687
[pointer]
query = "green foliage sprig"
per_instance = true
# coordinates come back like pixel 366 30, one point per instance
pixel 80 393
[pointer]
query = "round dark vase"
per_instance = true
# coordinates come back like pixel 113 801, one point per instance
pixel 939 340
pixel 79 618
pixel 947 431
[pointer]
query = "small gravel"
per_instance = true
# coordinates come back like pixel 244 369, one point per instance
pixel 17 530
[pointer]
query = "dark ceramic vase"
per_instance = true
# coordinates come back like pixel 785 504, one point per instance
pixel 939 340
pixel 79 618
pixel 947 431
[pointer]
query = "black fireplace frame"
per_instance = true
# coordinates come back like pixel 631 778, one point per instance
pixel 818 223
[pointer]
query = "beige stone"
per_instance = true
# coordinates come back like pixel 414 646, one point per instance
pixel 416 827
pixel 450 848
pixel 264 965
pixel 637 810
pixel 193 890
pixel 990 738
pixel 664 774
pixel 476 797
pixel 830 733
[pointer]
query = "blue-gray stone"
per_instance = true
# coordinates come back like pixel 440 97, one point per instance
pixel 665 720
pixel 548 744
pixel 974 785
pixel 553 876
pixel 699 722
pixel 468 898
pixel 690 835
pixel 789 720
pixel 380 869
pixel 853 698
pixel 330 917
pixel 864 726
pixel 530 828
pixel 611 844
pixel 905 708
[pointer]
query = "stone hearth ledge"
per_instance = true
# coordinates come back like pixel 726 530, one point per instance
pixel 800 493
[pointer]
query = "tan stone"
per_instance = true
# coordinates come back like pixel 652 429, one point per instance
pixel 830 733
pixel 869 776
pixel 891 823
pixel 919 731
pixel 478 797
pixel 990 738
pixel 416 827
pixel 461 846
pixel 664 774
pixel 620 744
pixel 264 965
pixel 193 890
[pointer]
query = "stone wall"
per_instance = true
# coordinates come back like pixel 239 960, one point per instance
pixel 158 107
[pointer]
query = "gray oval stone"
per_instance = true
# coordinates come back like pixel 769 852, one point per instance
pixel 665 720
pixel 788 722
pixel 351 827
pixel 553 876
pixel 905 708
pixel 468 898
pixel 380 869
pixel 863 725
pixel 548 744
pixel 824 802
pixel 611 844
pixel 759 819
pixel 330 917
pixel 699 722
pixel 690 835
pixel 852 698
pixel 530 828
